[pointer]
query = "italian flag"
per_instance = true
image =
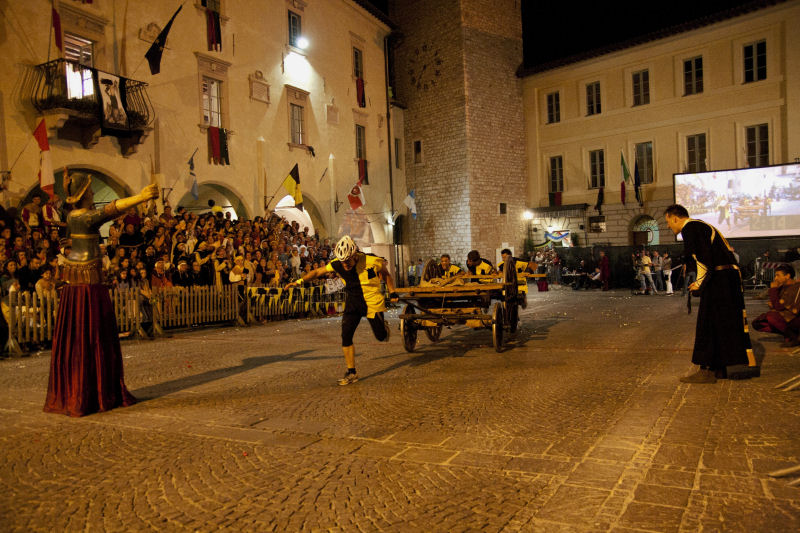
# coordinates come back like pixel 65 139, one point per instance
pixel 626 177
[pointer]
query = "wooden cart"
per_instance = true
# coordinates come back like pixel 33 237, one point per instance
pixel 430 308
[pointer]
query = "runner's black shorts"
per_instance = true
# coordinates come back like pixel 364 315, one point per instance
pixel 350 323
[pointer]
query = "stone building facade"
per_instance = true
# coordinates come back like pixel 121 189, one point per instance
pixel 564 129
pixel 464 134
pixel 258 75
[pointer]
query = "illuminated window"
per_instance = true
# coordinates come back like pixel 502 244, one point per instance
pixel 755 61
pixel 757 140
pixel 556 174
pixel 597 169
pixel 553 108
pixel 297 99
pixel 214 88
pixel 641 87
pixel 79 53
pixel 644 160
pixel 693 76
pixel 696 153
pixel 212 102
pixel 294 28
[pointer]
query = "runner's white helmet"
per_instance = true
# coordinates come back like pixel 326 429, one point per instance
pixel 345 248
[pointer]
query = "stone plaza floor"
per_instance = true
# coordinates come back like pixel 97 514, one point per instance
pixel 580 425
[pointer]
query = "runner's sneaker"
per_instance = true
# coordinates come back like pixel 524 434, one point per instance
pixel 349 377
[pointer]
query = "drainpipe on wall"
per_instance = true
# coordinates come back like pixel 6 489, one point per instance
pixel 389 144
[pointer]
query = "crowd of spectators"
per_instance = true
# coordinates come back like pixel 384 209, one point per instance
pixel 156 250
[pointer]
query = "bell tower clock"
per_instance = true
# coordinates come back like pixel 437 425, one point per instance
pixel 425 67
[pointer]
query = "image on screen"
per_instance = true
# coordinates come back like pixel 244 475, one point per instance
pixel 750 202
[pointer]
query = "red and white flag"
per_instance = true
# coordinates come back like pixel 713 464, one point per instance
pixel 356 197
pixel 46 180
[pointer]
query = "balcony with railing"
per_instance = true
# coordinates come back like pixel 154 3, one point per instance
pixel 85 104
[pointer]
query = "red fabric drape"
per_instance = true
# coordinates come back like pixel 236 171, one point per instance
pixel 213 145
pixel 213 31
pixel 363 178
pixel 360 96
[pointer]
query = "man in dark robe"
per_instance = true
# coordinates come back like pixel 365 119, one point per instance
pixel 722 343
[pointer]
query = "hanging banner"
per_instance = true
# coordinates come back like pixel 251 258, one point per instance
pixel 114 115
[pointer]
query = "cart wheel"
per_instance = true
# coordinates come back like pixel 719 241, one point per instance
pixel 497 327
pixel 434 333
pixel 513 316
pixel 408 330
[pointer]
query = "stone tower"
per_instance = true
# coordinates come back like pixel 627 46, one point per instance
pixel 455 71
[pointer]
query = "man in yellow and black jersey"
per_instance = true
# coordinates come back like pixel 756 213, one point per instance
pixel 520 265
pixel 448 269
pixel 479 266
pixel 362 275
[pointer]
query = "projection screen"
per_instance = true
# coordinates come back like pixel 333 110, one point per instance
pixel 750 202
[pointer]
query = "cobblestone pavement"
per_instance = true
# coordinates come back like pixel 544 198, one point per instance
pixel 580 425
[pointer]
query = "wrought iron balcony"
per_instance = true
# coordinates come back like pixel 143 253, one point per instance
pixel 92 103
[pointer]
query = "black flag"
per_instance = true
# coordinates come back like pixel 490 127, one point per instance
pixel 600 198
pixel 153 55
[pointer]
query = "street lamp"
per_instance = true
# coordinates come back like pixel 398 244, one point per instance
pixel 528 216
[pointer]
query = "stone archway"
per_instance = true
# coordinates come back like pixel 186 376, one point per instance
pixel 310 215
pixel 106 189
pixel 646 223
pixel 220 195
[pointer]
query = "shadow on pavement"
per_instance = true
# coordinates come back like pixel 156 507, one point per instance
pixel 162 389
pixel 462 340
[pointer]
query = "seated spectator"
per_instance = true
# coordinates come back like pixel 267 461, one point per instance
pixel 131 238
pixel 200 276
pixel 784 301
pixel 32 212
pixel 9 278
pixel 29 274
pixel 132 218
pixel 183 276
pixel 45 285
pixel 160 278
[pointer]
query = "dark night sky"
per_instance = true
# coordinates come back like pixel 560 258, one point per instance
pixel 557 29
pixel 554 30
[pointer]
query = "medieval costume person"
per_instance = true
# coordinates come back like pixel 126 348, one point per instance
pixel 86 365
pixel 722 342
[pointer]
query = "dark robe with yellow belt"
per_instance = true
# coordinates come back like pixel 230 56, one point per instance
pixel 86 365
pixel 722 339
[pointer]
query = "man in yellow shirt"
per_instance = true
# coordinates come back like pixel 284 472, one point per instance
pixel 448 269
pixel 645 274
pixel 362 275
